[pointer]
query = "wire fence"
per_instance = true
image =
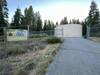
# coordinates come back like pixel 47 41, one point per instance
pixel 15 37
pixel 93 31
pixel 19 39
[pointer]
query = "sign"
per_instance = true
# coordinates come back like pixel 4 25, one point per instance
pixel 16 35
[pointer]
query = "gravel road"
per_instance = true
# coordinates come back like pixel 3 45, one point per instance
pixel 77 56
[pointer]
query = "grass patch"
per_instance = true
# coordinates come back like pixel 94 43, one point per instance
pixel 95 39
pixel 33 62
pixel 22 72
pixel 16 51
pixel 30 66
pixel 38 36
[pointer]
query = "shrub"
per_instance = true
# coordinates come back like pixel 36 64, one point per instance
pixel 22 72
pixel 54 40
pixel 30 66
pixel 15 51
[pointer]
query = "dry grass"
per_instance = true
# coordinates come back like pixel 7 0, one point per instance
pixel 33 62
pixel 95 39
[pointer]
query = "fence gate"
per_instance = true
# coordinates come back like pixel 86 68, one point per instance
pixel 93 31
pixel 59 32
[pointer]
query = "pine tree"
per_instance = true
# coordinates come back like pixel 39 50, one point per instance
pixel 49 25
pixel 17 19
pixel 52 26
pixel 25 18
pixel 57 23
pixel 38 22
pixel 93 18
pixel 70 22
pixel 30 15
pixel 64 21
pixel 45 25
pixel 73 21
pixel 3 13
pixel 77 21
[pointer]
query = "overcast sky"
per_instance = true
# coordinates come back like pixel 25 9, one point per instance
pixel 54 10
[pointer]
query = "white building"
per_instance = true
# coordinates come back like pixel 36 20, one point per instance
pixel 68 30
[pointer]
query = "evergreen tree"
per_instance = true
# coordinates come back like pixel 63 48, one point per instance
pixel 49 25
pixel 52 26
pixel 77 21
pixel 93 18
pixel 70 22
pixel 3 13
pixel 17 19
pixel 64 21
pixel 39 22
pixel 25 18
pixel 45 25
pixel 73 21
pixel 30 15
pixel 57 23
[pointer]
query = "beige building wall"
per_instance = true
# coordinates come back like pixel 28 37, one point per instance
pixel 69 30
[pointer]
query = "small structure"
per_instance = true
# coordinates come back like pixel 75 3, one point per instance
pixel 68 30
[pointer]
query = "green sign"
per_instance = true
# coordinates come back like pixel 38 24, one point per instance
pixel 16 35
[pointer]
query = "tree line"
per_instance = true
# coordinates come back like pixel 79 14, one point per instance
pixel 29 18
pixel 33 19
pixel 93 19
pixel 73 21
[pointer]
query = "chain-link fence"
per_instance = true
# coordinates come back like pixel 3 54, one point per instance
pixel 93 31
pixel 19 34
pixel 18 40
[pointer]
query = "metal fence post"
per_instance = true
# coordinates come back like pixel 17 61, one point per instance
pixel 62 33
pixel 88 32
pixel 5 37
pixel 28 28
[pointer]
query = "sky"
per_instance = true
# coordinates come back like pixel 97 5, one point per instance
pixel 54 10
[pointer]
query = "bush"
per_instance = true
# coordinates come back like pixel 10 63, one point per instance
pixel 30 66
pixel 54 40
pixel 15 51
pixel 21 72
